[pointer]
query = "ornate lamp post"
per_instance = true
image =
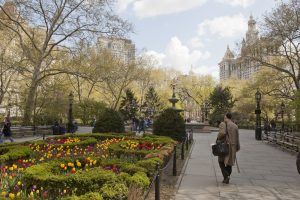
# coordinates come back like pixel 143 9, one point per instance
pixel 202 113
pixel 70 115
pixel 9 107
pixel 282 115
pixel 133 107
pixel 257 112
pixel 205 108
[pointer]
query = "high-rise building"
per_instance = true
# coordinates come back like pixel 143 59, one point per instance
pixel 240 67
pixel 123 49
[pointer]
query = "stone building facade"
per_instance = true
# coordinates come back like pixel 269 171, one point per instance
pixel 240 67
pixel 123 49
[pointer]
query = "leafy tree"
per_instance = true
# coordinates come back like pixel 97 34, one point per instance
pixel 87 109
pixel 279 47
pixel 170 123
pixel 109 121
pixel 45 27
pixel 129 106
pixel 152 104
pixel 221 101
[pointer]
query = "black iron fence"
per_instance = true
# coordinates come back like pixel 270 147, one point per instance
pixel 172 159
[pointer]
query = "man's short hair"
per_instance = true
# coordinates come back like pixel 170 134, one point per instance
pixel 229 115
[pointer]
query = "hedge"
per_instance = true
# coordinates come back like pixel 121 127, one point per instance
pixel 11 153
pixel 48 175
pixel 87 196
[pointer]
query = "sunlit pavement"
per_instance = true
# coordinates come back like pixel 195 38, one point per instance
pixel 267 172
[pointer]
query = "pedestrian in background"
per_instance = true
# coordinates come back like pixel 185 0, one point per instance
pixel 6 131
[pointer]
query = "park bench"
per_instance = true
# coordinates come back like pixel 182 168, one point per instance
pixel 286 139
pixel 22 131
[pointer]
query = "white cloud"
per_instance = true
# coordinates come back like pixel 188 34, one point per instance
pixel 155 57
pixel 196 42
pixel 179 56
pixel 123 4
pixel 243 3
pixel 151 8
pixel 225 26
pixel 207 70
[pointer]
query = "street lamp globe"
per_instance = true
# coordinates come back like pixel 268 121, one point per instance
pixel 282 106
pixel 258 96
pixel 71 98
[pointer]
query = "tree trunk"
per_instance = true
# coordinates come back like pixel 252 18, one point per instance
pixel 29 104
pixel 297 106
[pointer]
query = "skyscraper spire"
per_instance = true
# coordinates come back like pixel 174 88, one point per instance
pixel 228 54
pixel 252 33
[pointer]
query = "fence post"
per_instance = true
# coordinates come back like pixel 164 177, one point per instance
pixel 157 183
pixel 182 149
pixel 187 143
pixel 43 136
pixel 174 162
pixel 34 130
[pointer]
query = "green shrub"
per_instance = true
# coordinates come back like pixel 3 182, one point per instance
pixel 140 179
pixel 11 153
pixel 109 121
pixel 126 167
pixel 47 176
pixel 117 150
pixel 150 164
pixel 87 196
pixel 114 191
pixel 170 123
pixel 131 168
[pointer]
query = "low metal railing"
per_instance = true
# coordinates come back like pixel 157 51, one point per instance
pixel 186 142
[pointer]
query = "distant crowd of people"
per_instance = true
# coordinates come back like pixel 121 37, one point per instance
pixel 140 125
pixel 59 128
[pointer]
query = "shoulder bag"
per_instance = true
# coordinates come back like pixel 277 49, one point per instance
pixel 221 148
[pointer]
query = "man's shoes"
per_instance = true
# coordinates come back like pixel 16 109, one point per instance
pixel 226 180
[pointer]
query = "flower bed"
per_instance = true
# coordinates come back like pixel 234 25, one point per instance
pixel 81 166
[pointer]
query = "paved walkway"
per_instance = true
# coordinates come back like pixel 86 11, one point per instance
pixel 266 172
pixel 81 129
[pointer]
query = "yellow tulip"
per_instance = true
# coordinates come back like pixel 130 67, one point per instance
pixel 37 191
pixel 11 195
pixel 3 193
pixel 19 183
pixel 18 194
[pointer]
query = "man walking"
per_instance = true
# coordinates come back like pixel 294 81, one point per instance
pixel 6 131
pixel 229 132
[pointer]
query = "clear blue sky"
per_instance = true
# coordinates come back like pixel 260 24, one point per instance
pixel 185 33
